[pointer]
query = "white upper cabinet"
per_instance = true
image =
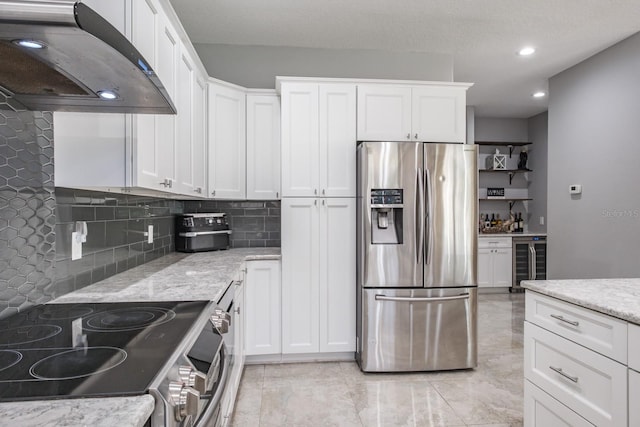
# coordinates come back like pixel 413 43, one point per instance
pixel 384 113
pixel 200 136
pixel 184 125
pixel 263 146
pixel 430 113
pixel 226 142
pixel 337 140
pixel 318 140
pixel 300 140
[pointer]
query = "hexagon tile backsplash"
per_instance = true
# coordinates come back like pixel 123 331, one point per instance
pixel 27 208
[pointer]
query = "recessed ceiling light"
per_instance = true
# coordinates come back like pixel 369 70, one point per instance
pixel 526 51
pixel 107 94
pixel 539 94
pixel 30 44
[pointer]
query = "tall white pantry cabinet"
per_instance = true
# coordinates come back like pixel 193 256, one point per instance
pixel 318 217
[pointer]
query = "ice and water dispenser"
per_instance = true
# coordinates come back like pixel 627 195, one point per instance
pixel 386 216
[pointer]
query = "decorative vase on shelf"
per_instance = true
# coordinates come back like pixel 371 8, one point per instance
pixel 524 156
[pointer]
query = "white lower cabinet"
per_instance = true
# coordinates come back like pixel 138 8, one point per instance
pixel 238 321
pixel 318 275
pixel 262 302
pixel 573 366
pixel 542 410
pixel 494 262
pixel 634 398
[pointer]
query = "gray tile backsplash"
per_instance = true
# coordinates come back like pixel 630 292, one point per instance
pixel 116 224
pixel 254 223
pixel 27 208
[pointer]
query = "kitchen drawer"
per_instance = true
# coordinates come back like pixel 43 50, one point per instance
pixel 604 334
pixel 590 384
pixel 494 242
pixel 542 410
pixel 634 347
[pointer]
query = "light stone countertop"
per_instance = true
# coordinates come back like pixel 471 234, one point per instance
pixel 616 297
pixel 174 277
pixel 487 235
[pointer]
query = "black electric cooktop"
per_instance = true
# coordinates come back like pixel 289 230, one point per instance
pixel 126 345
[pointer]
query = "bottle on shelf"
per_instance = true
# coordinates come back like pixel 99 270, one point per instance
pixel 493 220
pixel 498 220
pixel 487 221
pixel 520 223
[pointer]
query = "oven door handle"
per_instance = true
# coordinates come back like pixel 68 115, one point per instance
pixel 209 416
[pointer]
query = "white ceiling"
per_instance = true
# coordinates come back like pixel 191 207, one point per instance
pixel 482 35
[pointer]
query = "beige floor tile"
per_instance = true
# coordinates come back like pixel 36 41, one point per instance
pixel 483 400
pixel 304 405
pixel 399 403
pixel 248 403
pixel 253 374
pixel 301 373
pixel 353 375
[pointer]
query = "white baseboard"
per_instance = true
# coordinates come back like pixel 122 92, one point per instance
pixel 297 358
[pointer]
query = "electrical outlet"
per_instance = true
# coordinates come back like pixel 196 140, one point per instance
pixel 541 220
pixel 76 246
pixel 150 234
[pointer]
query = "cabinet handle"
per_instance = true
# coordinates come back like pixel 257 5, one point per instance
pixel 277 195
pixel 408 136
pixel 562 319
pixel 323 191
pixel 237 310
pixel 315 202
pixel 213 193
pixel 322 202
pixel 198 190
pixel 416 136
pixel 170 183
pixel 315 191
pixel 564 374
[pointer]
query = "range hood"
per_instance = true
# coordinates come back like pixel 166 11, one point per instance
pixel 60 55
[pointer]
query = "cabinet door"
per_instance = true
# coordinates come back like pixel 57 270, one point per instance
pixel 226 142
pixel 439 114
pixel 144 28
pixel 263 147
pixel 262 302
pixel 485 267
pixel 337 301
pixel 300 276
pixel 300 140
pixel 184 126
pixel 113 11
pixel 634 398
pixel 199 134
pixel 384 113
pixel 337 140
pixel 542 410
pixel 502 267
pixel 168 57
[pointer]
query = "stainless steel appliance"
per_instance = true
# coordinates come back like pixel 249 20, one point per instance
pixel 529 260
pixel 179 352
pixel 199 232
pixel 63 56
pixel 417 246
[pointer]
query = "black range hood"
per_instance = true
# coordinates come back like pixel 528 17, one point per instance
pixel 60 55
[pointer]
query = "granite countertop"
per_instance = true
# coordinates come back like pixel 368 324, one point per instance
pixel 174 277
pixel 616 297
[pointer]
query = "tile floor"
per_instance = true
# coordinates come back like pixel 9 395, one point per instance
pixel 339 394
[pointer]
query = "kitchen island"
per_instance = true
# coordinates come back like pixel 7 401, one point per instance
pixel 582 352
pixel 175 277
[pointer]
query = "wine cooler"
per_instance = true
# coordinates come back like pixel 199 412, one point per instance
pixel 529 260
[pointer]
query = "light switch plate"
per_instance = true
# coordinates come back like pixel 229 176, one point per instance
pixel 76 246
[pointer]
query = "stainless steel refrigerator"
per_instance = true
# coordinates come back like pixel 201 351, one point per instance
pixel 417 245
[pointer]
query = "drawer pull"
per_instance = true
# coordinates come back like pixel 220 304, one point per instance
pixel 564 374
pixel 562 319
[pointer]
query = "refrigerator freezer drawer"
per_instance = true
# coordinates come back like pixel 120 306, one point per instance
pixel 418 330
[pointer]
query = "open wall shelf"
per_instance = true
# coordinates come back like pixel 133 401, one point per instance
pixel 511 200
pixel 503 144
pixel 511 172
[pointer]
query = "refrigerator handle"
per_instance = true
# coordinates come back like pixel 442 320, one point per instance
pixel 421 299
pixel 428 218
pixel 534 267
pixel 419 216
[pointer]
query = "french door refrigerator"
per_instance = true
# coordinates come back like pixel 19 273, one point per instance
pixel 417 244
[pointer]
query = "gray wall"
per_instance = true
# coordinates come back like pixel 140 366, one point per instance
pixel 257 66
pixel 594 129
pixel 500 130
pixel 538 135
